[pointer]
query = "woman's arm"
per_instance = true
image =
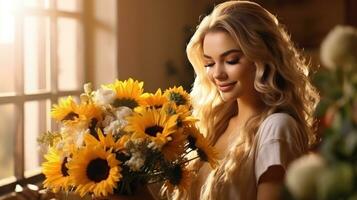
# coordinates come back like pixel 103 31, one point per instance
pixel 270 183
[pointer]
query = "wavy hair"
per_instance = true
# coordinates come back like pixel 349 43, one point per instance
pixel 282 81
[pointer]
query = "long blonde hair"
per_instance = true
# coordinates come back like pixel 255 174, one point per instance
pixel 281 78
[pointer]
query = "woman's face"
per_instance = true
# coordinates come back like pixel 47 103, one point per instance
pixel 227 67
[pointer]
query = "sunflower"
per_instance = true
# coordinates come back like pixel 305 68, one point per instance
pixel 179 96
pixel 106 141
pixel 152 124
pixel 184 118
pixel 56 171
pixel 128 93
pixel 177 177
pixel 174 146
pixel 156 100
pixel 205 151
pixel 95 170
pixel 65 110
pixel 90 111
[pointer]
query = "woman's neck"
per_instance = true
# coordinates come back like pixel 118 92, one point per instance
pixel 248 107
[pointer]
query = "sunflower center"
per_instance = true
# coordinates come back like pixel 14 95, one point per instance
pixel 70 116
pixel 175 175
pixel 177 98
pixel 130 103
pixel 153 130
pixel 64 169
pixel 98 170
pixel 158 106
pixel 202 155
pixel 191 142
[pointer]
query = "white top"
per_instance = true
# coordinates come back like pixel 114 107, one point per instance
pixel 278 142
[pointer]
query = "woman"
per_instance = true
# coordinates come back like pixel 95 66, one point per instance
pixel 254 101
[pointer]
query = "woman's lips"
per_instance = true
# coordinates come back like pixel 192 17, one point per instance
pixel 226 87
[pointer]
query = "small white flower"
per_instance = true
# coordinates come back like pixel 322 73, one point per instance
pixel 154 146
pixel 114 127
pixel 122 112
pixel 339 48
pixel 302 176
pixel 136 161
pixel 138 141
pixel 88 88
pixel 79 140
pixel 104 96
pixel 107 120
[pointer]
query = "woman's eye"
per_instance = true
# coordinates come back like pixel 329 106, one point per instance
pixel 232 62
pixel 209 65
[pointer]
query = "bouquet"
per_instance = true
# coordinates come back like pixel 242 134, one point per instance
pixel 118 138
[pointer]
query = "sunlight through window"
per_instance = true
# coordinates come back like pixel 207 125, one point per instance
pixel 7 21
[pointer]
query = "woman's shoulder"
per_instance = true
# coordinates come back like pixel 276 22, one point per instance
pixel 278 126
pixel 279 119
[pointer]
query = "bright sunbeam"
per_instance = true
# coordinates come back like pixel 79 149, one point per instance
pixel 7 21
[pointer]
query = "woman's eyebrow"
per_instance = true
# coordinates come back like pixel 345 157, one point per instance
pixel 226 53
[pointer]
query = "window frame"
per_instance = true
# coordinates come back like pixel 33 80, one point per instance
pixel 19 97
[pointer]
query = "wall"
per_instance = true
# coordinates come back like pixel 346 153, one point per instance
pixel 152 34
pixel 101 41
pixel 152 40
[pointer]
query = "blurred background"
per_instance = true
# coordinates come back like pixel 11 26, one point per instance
pixel 50 48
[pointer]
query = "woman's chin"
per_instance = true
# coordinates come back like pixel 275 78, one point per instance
pixel 228 98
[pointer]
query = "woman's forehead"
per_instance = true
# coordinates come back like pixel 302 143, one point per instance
pixel 217 42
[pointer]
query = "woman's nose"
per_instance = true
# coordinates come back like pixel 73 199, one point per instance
pixel 219 72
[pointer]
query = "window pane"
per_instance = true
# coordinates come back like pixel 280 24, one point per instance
pixel 32 3
pixel 34 51
pixel 36 118
pixel 69 5
pixel 7 133
pixel 7 48
pixel 69 64
pixel 47 4
pixel 36 3
pixel 47 53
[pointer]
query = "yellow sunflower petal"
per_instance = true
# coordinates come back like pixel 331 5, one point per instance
pixel 105 141
pixel 156 100
pixel 56 171
pixel 95 170
pixel 174 147
pixel 128 93
pixel 198 142
pixel 178 177
pixel 152 124
pixel 89 111
pixel 65 110
pixel 179 96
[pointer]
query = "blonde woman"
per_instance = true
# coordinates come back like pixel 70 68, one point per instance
pixel 254 101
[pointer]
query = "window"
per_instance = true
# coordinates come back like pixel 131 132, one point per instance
pixel 41 60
